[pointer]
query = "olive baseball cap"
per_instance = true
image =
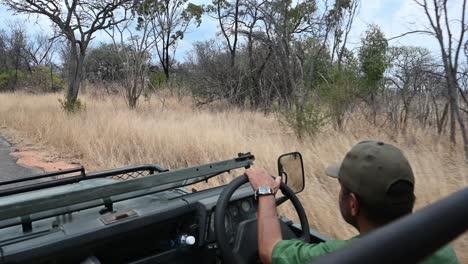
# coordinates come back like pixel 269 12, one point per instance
pixel 370 168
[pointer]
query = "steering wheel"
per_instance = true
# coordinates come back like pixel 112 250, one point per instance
pixel 245 247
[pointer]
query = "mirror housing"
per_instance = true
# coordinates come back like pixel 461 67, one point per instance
pixel 291 169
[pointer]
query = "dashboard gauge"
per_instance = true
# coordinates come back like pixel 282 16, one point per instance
pixel 246 206
pixel 234 210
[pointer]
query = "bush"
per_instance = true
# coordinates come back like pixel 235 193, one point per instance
pixel 40 79
pixel 72 106
pixel 306 120
pixel 157 80
pixel 44 80
pixel 7 80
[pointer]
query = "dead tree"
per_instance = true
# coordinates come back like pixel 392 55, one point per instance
pixel 442 28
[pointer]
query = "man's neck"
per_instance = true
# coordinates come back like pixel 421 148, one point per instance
pixel 364 226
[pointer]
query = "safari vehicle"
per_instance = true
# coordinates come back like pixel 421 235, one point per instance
pixel 145 214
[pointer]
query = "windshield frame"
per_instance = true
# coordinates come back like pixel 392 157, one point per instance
pixel 112 192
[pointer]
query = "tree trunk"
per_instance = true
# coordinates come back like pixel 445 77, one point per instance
pixel 132 97
pixel 132 102
pixel 166 61
pixel 234 44
pixel 51 78
pixel 166 66
pixel 452 93
pixel 76 70
pixel 15 79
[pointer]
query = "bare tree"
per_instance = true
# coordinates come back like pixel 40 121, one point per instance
pixel 437 88
pixel 170 20
pixel 442 27
pixel 134 50
pixel 258 56
pixel 229 16
pixel 41 49
pixel 17 43
pixel 77 21
pixel 410 67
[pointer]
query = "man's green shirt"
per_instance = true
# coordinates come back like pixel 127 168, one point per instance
pixel 296 251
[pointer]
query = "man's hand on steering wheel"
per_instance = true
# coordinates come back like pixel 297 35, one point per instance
pixel 260 177
pixel 252 233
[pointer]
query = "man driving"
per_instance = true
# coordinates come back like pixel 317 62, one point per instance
pixel 377 187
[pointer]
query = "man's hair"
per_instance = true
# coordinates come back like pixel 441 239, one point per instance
pixel 403 194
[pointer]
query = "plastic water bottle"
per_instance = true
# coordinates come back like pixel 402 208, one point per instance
pixel 187 240
pixel 183 241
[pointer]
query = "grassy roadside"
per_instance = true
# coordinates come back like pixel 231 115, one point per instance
pixel 108 135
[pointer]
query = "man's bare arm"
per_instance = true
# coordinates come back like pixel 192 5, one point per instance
pixel 269 230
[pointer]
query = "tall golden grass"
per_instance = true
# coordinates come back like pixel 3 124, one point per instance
pixel 107 135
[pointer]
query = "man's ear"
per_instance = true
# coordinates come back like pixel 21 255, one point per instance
pixel 353 204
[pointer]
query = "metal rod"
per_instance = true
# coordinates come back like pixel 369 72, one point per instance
pixel 10 209
pixel 76 179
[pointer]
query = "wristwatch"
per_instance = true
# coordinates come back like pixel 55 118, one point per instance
pixel 264 190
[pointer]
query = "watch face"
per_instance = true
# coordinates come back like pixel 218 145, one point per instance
pixel 264 190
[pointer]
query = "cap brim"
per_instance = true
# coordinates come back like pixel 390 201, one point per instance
pixel 333 170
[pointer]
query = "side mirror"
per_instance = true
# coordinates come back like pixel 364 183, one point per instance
pixel 291 169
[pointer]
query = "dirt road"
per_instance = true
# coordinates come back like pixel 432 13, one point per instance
pixel 9 169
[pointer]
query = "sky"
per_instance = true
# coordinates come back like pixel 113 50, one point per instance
pixel 393 16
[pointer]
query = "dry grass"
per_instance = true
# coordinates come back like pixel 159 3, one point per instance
pixel 108 135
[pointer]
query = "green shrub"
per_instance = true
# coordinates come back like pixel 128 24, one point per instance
pixel 40 79
pixel 157 80
pixel 7 79
pixel 305 120
pixel 72 106
pixel 44 80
